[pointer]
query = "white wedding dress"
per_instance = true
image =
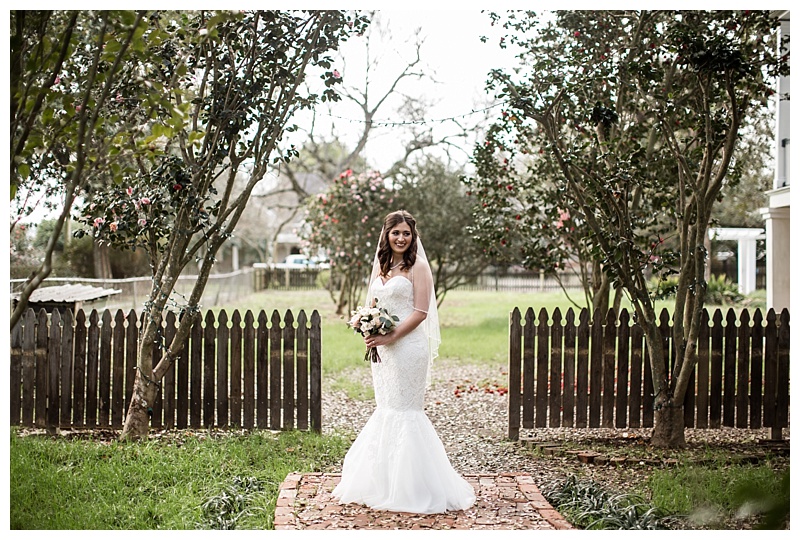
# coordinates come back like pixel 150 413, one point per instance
pixel 398 462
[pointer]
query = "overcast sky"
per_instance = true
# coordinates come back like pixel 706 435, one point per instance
pixel 452 55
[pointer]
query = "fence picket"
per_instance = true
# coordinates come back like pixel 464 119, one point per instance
pixel 301 357
pixel 315 371
pixel 209 361
pixel 118 370
pixel 236 370
pixel 196 374
pixel 223 352
pixel 514 374
pixel 528 370
pixel 104 377
pixel 542 358
pixel 262 370
pixel 729 359
pixel 568 416
pixel 556 350
pixel 743 370
pixel 596 370
pixel 248 370
pixel 756 367
pixel 782 399
pixel 288 371
pixel 770 369
pixel 717 350
pixel 609 365
pixel 15 378
pixel 275 371
pixel 582 385
pixel 622 396
pixel 92 368
pixel 67 335
pixel 30 358
pixel 54 369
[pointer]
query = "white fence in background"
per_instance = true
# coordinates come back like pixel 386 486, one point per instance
pixel 221 289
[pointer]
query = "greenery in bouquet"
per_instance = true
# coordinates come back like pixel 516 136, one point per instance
pixel 371 321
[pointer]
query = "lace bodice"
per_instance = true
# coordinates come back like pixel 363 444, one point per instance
pixel 396 295
pixel 400 378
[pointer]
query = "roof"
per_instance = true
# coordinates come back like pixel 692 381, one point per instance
pixel 70 293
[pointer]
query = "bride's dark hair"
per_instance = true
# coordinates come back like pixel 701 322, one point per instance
pixel 385 250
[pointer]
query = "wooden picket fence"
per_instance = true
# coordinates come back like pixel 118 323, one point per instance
pixel 596 373
pixel 232 373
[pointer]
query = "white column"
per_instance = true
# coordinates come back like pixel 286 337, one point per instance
pixel 778 257
pixel 235 257
pixel 747 265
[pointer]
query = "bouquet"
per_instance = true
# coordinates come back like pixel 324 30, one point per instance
pixel 371 321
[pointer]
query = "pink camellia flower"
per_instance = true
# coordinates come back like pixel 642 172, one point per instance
pixel 58 80
pixel 98 221
pixel 145 200
pixel 129 191
pixel 336 74
pixel 78 108
pixel 113 226
pixel 142 222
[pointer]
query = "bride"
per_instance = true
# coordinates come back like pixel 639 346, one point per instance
pixel 398 462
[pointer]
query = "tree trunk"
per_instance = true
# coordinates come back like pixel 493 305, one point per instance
pixel 102 262
pixel 344 295
pixel 601 288
pixel 668 431
pixel 137 419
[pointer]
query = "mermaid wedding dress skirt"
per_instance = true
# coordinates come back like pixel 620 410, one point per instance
pixel 398 462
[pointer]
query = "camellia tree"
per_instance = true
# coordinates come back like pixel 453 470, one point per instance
pixel 639 114
pixel 345 222
pixel 521 212
pixel 235 80
pixel 78 105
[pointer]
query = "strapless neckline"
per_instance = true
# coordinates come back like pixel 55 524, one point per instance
pixel 380 280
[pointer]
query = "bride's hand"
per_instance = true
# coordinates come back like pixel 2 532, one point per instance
pixel 379 340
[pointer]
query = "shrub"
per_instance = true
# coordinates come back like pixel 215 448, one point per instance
pixel 589 506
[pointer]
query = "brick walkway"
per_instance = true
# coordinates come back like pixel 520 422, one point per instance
pixel 504 501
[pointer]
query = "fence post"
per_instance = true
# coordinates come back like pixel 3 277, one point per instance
pixel 514 374
pixel 782 386
pixel 315 357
